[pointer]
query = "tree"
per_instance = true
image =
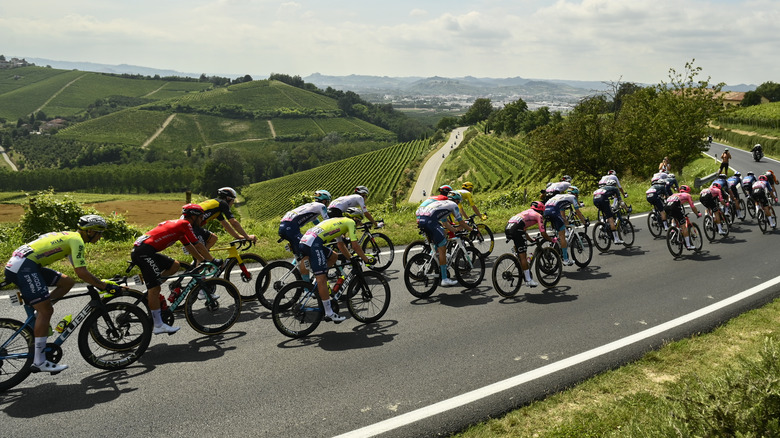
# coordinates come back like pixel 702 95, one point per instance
pixel 225 168
pixel 769 90
pixel 509 120
pixel 480 110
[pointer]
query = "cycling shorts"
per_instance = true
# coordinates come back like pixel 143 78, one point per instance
pixel 151 263
pixel 202 234
pixel 759 195
pixel 515 231
pixel 735 190
pixel 433 229
pixel 335 212
pixel 675 211
pixel 604 206
pixel 656 201
pixel 318 255
pixel 291 232
pixel 708 201
pixel 32 279
pixel 553 214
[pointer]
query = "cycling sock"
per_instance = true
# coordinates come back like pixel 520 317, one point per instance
pixel 443 269
pixel 305 277
pixel 720 228
pixel 328 309
pixel 615 235
pixel 565 252
pixel 157 317
pixel 527 274
pixel 40 345
pixel 688 240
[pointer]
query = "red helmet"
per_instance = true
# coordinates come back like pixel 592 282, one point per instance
pixel 716 185
pixel 537 207
pixel 685 189
pixel 762 178
pixel 192 209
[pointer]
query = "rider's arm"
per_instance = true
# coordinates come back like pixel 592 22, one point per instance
pixel 239 230
pixel 358 250
pixel 371 218
pixel 88 277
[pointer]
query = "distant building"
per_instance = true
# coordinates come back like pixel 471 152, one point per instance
pixel 13 63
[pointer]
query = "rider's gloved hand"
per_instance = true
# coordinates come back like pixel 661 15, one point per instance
pixel 112 287
pixel 371 260
pixel 484 216
pixel 625 195
pixel 698 214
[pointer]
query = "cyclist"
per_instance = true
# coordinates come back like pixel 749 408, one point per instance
pixel 761 193
pixel 747 184
pixel 153 265
pixel 465 192
pixel 557 188
pixel 734 182
pixel 26 269
pixel 312 246
pixel 219 209
pixel 293 220
pixel 656 195
pixel 772 180
pixel 672 181
pixel 432 219
pixel 517 231
pixel 357 199
pixel 601 199
pixel 442 196
pixel 554 210
pixel 618 202
pixel 709 198
pixel 722 180
pixel 675 208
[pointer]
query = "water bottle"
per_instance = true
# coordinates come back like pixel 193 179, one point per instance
pixel 174 294
pixel 337 287
pixel 64 323
pixel 163 303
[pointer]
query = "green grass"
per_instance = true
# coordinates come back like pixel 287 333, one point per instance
pixel 131 127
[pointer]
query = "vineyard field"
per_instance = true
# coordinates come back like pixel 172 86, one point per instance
pixel 23 101
pixel 11 80
pixel 130 127
pixel 495 163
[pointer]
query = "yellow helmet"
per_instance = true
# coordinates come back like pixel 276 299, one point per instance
pixel 468 185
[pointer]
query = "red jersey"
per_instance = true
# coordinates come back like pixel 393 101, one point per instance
pixel 167 233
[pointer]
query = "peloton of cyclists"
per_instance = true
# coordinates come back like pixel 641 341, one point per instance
pixel 293 220
pixel 656 196
pixel 556 188
pixel 517 231
pixel 554 210
pixel 602 200
pixel 761 194
pixel 357 199
pixel 675 207
pixel 710 198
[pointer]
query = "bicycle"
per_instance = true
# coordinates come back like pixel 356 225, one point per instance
pixel 272 278
pixel 211 304
pixel 654 223
pixel 422 274
pixel 580 246
pixel 481 236
pixel 113 336
pixel 246 263
pixel 675 240
pixel 508 276
pixel 602 233
pixel 763 221
pixel 297 308
pixel 372 244
pixel 711 229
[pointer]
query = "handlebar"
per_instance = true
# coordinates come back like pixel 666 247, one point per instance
pixel 244 244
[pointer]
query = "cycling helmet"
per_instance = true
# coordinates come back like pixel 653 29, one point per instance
pixel 762 178
pixel 361 190
pixel 769 173
pixel 92 222
pixel 751 174
pixel 722 176
pixel 611 172
pixel 192 210
pixel 758 145
pixel 737 174
pixel 468 185
pixel 725 149
pixel 685 189
pixel 445 189
pixel 537 207
pixel 566 178
pixel 322 195
pixel 574 190
pixel 611 182
pixel 716 185
pixel 354 213
pixel 454 196
pixel 671 175
pixel 227 192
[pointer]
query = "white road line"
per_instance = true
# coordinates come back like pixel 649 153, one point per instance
pixel 477 394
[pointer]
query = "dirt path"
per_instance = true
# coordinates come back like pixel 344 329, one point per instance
pixel 427 176
pixel 273 132
pixel 58 93
pixel 152 92
pixel 159 131
pixel 8 160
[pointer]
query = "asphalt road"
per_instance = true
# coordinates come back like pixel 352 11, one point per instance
pixel 429 367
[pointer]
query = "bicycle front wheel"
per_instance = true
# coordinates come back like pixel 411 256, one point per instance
pixel 421 276
pixel 16 356
pixel 369 297
pixel 381 247
pixel 482 239
pixel 115 338
pixel 751 207
pixel 695 234
pixel 674 241
pixel 507 275
pixel 548 267
pixel 414 248
pixel 762 222
pixel 709 228
pixel 626 229
pixel 602 237
pixel 654 224
pixel 469 267
pixel 244 275
pixel 581 249
pixel 297 309
pixel 212 306
pixel 272 278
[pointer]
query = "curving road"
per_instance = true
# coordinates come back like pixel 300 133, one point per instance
pixel 430 367
pixel 427 177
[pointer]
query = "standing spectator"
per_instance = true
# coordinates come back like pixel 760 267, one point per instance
pixel 664 166
pixel 724 161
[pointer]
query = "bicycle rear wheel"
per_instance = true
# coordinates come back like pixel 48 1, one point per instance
pixel 709 228
pixel 548 267
pixel 421 276
pixel 602 237
pixel 244 275
pixel 581 249
pixel 297 309
pixel 469 267
pixel 762 222
pixel 218 311
pixel 507 275
pixel 626 229
pixel 115 338
pixel 381 247
pixel 272 278
pixel 695 234
pixel 751 208
pixel 482 239
pixel 674 241
pixel 654 224
pixel 369 298
pixel 416 247
pixel 17 356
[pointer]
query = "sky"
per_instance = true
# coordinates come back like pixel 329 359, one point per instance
pixel 733 41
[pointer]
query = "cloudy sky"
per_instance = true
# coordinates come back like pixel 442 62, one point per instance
pixel 734 41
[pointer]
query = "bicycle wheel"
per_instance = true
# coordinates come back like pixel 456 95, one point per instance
pixel 507 275
pixel 674 241
pixel 381 247
pixel 416 247
pixel 369 298
pixel 272 278
pixel 751 208
pixel 602 237
pixel 626 230
pixel 482 239
pixel 17 356
pixel 297 309
pixel 218 311
pixel 726 225
pixel 130 296
pixel 761 219
pixel 469 267
pixel 695 234
pixel 654 224
pixel 581 249
pixel 422 276
pixel 709 228
pixel 548 267
pixel 115 338
pixel 742 210
pixel 244 275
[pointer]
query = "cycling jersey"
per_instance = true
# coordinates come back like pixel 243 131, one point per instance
pixel 517 224
pixel 734 184
pixel 215 209
pixel 660 175
pixel 747 184
pixel 467 197
pixel 709 198
pixel 601 198
pixel 605 178
pixel 313 211
pixel 438 211
pixel 342 203
pixel 330 229
pixel 554 207
pixel 760 192
pixel 724 187
pixel 167 233
pixel 558 188
pixel 49 248
pixel 657 194
pixel 675 206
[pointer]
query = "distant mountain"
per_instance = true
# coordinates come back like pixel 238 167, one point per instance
pixel 121 69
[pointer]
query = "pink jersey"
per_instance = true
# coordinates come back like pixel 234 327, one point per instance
pixel 530 218
pixel 714 191
pixel 682 198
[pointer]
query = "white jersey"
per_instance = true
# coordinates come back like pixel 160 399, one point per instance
pixel 349 201
pixel 606 178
